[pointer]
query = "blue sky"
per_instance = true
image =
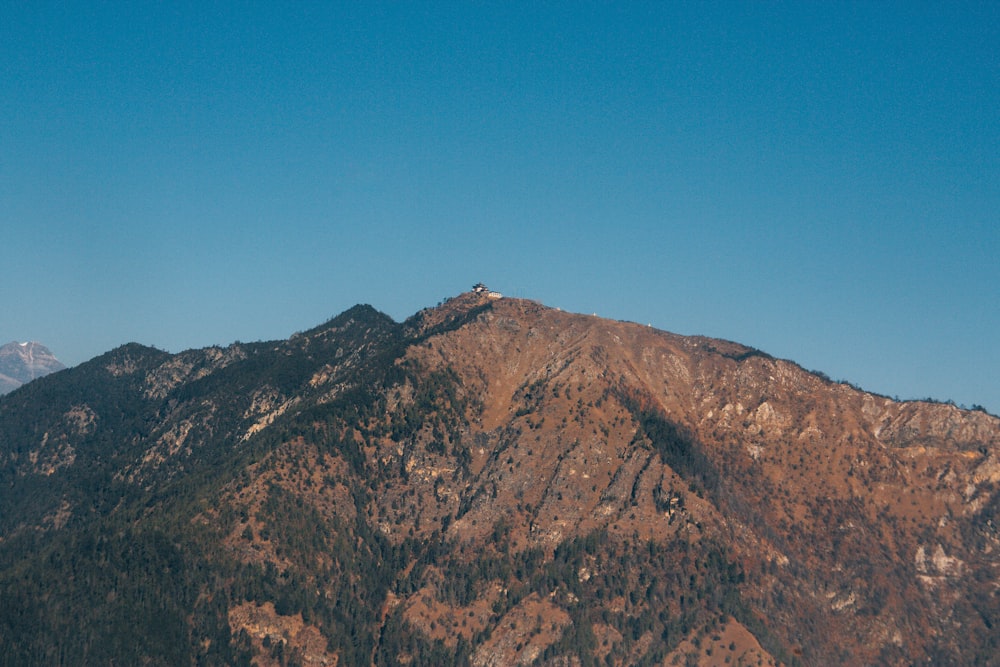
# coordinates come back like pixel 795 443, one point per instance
pixel 818 180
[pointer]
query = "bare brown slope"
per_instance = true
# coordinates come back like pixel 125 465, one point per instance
pixel 857 518
pixel 573 489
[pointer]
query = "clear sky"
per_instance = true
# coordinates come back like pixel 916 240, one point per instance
pixel 819 180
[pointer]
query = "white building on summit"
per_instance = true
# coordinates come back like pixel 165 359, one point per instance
pixel 480 288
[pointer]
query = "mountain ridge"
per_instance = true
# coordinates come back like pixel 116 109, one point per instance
pixel 492 481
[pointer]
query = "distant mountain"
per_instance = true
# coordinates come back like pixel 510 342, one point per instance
pixel 490 482
pixel 23 362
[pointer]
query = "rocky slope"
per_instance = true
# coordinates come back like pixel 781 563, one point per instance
pixel 491 482
pixel 23 362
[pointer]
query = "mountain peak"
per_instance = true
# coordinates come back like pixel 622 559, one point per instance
pixel 23 362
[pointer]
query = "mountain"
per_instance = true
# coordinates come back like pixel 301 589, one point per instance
pixel 490 482
pixel 23 362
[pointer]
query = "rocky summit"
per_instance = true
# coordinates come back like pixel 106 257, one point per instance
pixel 490 482
pixel 23 362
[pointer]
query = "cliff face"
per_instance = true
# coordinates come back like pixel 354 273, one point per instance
pixel 23 362
pixel 496 482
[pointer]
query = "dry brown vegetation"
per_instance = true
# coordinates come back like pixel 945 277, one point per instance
pixel 513 484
